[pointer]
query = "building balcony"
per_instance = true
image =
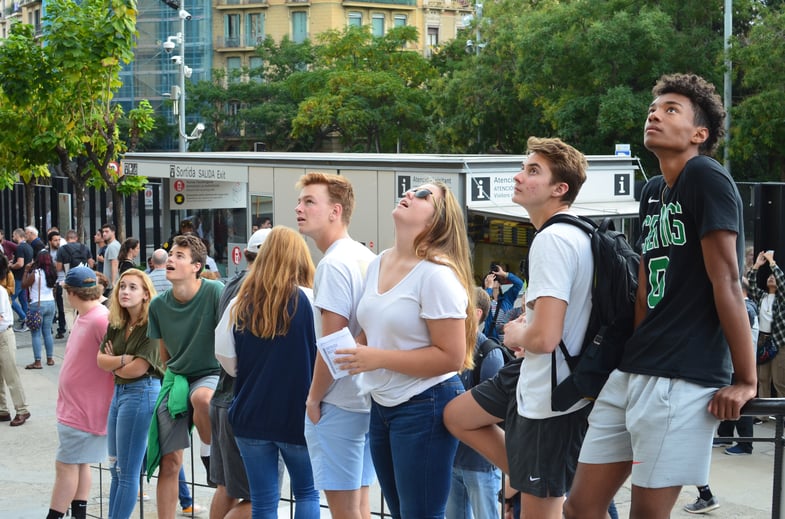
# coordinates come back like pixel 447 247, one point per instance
pixel 446 4
pixel 233 4
pixel 412 3
pixel 229 43
pixel 253 41
pixel 238 43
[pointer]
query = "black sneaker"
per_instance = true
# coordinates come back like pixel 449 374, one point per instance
pixel 206 463
pixel 701 506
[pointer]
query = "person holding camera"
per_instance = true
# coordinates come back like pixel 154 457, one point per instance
pixel 501 302
pixel 771 320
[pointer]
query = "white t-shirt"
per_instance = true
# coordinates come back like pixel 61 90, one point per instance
pixel 765 313
pixel 397 320
pixel 338 287
pixel 6 313
pixel 560 266
pixel 225 348
pixel 46 293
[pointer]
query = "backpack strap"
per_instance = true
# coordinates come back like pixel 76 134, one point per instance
pixel 572 362
pixel 589 227
pixel 581 222
pixel 487 346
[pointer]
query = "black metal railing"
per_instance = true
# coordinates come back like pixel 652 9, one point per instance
pixel 771 407
pixel 757 407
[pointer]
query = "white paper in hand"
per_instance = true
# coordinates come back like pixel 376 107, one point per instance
pixel 327 345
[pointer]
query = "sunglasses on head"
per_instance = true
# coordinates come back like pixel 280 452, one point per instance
pixel 421 193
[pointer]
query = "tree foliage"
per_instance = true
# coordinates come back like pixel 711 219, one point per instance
pixel 582 71
pixel 60 88
pixel 758 119
pixel 260 109
pixel 371 91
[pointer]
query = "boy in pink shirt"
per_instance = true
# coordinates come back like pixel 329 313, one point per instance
pixel 83 397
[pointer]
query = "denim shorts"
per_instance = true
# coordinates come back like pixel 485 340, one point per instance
pixel 339 449
pixel 78 447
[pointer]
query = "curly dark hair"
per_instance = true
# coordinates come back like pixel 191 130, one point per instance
pixel 706 103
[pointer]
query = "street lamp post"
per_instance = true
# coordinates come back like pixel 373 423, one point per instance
pixel 476 45
pixel 178 92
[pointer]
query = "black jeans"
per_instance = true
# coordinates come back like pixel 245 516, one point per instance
pixel 743 426
pixel 58 290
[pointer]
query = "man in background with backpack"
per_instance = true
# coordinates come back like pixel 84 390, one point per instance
pixel 543 450
pixel 70 255
pixel 672 385
pixel 475 481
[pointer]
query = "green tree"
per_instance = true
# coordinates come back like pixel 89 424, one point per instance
pixel 475 101
pixel 24 122
pixel 758 120
pixel 67 79
pixel 239 113
pixel 369 90
pixel 582 71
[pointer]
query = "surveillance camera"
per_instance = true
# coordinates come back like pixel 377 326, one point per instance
pixel 469 45
pixel 176 60
pixel 185 15
pixel 197 131
pixel 169 46
pixel 188 71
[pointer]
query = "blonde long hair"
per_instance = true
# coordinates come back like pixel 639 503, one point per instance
pixel 283 264
pixel 119 316
pixel 445 242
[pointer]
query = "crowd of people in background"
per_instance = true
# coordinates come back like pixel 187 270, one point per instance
pixel 395 366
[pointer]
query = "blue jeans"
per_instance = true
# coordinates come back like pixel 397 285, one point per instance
pixel 474 493
pixel 260 458
pixel 47 309
pixel 413 452
pixel 184 491
pixel 129 420
pixel 19 300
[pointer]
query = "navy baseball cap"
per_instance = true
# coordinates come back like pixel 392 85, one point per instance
pixel 81 277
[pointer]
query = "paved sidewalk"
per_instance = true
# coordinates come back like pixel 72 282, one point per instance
pixel 742 483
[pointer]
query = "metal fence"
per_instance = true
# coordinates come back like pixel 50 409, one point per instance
pixel 756 407
pixel 771 407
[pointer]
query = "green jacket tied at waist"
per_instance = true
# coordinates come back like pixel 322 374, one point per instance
pixel 176 386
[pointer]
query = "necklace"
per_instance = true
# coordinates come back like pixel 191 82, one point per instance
pixel 664 193
pixel 132 326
